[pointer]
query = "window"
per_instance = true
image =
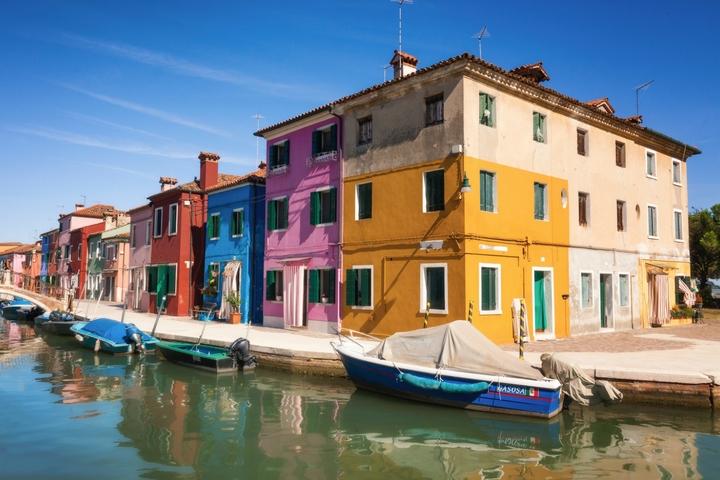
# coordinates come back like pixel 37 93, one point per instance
pixel 650 164
pixel 434 110
pixel 677 225
pixel 652 221
pixel 586 289
pixel 161 275
pixel 274 285
pixel 490 288
pixel 79 251
pixel 133 231
pixel 676 172
pixel 434 191
pixel 487 191
pixel 321 286
pixel 323 206
pixel 540 196
pixel 277 214
pixel 173 219
pixel 358 287
pixel 324 140
pixel 148 229
pixel 621 215
pixel 583 208
pixel 365 131
pixel 157 222
pixel 363 201
pixel 433 288
pixel 279 155
pixel 109 252
pixel 213 226
pixel 237 223
pixel 538 127
pixel 624 289
pixel 620 154
pixel 582 142
pixel 487 110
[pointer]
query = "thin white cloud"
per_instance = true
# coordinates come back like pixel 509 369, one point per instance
pixel 127 128
pixel 180 65
pixel 150 111
pixel 115 168
pixel 83 140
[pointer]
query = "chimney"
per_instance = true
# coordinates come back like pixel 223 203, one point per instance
pixel 208 169
pixel 79 206
pixel 166 183
pixel 403 64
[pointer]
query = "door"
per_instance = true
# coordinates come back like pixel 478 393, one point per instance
pixel 605 300
pixel 540 305
pixel 162 285
pixel 294 295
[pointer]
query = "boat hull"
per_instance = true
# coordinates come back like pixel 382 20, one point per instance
pixel 89 340
pixel 58 328
pixel 203 357
pixel 516 397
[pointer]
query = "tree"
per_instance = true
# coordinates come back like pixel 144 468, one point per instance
pixel 704 228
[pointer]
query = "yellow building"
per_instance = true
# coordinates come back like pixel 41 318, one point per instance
pixel 462 189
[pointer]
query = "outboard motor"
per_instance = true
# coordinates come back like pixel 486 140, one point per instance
pixel 240 351
pixel 137 340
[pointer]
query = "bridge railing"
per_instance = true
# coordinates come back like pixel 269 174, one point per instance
pixel 38 285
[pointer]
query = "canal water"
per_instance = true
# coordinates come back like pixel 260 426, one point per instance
pixel 72 414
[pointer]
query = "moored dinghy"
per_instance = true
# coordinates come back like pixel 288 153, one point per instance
pixel 230 359
pixel 60 323
pixel 113 337
pixel 452 365
pixel 11 310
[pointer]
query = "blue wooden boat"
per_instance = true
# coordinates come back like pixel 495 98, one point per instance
pixel 113 337
pixel 452 365
pixel 12 309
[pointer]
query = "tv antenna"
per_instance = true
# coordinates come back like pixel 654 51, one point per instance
pixel 639 89
pixel 401 3
pixel 385 69
pixel 84 197
pixel 257 117
pixel 483 33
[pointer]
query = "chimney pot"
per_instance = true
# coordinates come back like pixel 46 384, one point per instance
pixel 208 169
pixel 403 64
pixel 166 183
pixel 78 206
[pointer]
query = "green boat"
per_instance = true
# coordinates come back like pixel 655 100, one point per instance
pixel 230 359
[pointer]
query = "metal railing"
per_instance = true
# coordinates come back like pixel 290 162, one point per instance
pixel 38 285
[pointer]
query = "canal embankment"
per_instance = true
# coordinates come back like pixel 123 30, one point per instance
pixel 676 366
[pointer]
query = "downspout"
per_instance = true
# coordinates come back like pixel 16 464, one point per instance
pixel 340 209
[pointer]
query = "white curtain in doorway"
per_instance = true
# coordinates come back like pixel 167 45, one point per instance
pixel 293 295
pixel 229 284
pixel 659 299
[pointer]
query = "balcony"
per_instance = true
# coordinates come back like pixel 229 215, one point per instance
pixel 110 265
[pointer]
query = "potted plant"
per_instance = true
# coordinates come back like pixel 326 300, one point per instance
pixel 233 300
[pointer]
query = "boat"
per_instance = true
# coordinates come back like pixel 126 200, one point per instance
pixel 230 359
pixel 29 314
pixel 59 323
pixel 112 336
pixel 12 309
pixel 452 365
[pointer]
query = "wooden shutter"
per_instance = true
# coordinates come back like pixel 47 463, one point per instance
pixel 536 125
pixel 332 214
pixel 331 286
pixel 171 273
pixel 314 286
pixel 270 283
pixel 272 214
pixel 582 208
pixel 333 138
pixel 285 159
pixel 539 201
pixel 365 200
pixel 365 285
pixel 316 142
pixel 487 194
pixel 274 150
pixel 620 215
pixel 240 228
pixel 283 213
pixel 314 208
pixel 489 289
pixel 350 287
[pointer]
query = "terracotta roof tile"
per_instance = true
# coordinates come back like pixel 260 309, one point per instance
pixel 95 211
pixel 258 176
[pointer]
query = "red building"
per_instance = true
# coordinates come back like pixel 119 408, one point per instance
pixel 178 238
pixel 79 259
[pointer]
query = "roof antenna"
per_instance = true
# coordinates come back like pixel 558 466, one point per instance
pixel 385 69
pixel 639 89
pixel 84 197
pixel 483 33
pixel 257 117
pixel 400 5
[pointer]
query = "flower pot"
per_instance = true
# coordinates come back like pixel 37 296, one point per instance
pixel 324 299
pixel 234 317
pixel 278 298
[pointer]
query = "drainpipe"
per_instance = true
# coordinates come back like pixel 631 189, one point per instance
pixel 341 196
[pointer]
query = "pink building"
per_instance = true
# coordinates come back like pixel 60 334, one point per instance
pixel 140 250
pixel 302 253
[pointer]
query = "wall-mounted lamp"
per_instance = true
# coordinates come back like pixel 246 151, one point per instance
pixel 465 187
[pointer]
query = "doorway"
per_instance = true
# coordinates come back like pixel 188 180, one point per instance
pixel 543 303
pixel 606 303
pixel 294 307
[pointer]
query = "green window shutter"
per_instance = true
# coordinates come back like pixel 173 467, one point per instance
pixel 538 202
pixel 536 125
pixel 351 287
pixel 332 285
pixel 316 142
pixel 161 290
pixel 272 215
pixel 234 223
pixel 364 200
pixel 270 281
pixel 283 214
pixel 435 191
pixel 314 208
pixel 491 109
pixel 487 193
pixel 332 215
pixel 333 136
pixel 171 274
pixel 314 286
pixel 285 159
pixel 241 222
pixel 489 288
pixel 365 293
pixel 151 280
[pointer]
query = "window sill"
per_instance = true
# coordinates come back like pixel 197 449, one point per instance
pixel 653 177
pixel 358 307
pixel 236 236
pixel 488 211
pixel 439 122
pixel 214 238
pixel 652 237
pixel 325 224
pixel 172 234
pixel 677 184
pixel 364 218
pixel 278 230
pixel 434 211
pixel 679 240
pixel 434 312
pixel 490 312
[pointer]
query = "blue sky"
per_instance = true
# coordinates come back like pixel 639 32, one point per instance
pixel 99 99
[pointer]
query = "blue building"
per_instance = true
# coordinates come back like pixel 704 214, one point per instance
pixel 235 245
pixel 48 247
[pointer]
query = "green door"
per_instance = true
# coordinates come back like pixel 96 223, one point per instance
pixel 540 307
pixel 162 285
pixel 603 313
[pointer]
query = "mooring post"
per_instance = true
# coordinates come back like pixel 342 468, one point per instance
pixel 427 315
pixel 161 307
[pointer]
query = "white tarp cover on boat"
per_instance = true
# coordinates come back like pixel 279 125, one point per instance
pixel 457 346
